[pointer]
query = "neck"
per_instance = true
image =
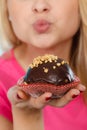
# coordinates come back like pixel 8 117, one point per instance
pixel 26 53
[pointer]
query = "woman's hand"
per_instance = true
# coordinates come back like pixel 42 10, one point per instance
pixel 20 99
pixel 27 111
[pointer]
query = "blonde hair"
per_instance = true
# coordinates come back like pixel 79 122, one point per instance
pixel 78 55
pixel 6 25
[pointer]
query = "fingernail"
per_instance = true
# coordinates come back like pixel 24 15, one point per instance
pixel 18 97
pixel 47 98
pixel 81 91
pixel 74 96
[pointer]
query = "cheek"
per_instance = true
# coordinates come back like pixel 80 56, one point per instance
pixel 17 17
pixel 68 19
pixel 16 11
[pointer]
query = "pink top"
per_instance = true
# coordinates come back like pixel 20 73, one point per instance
pixel 71 117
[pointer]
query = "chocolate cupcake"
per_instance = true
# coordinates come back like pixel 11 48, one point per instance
pixel 48 73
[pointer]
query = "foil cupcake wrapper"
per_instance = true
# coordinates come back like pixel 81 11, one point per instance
pixel 37 89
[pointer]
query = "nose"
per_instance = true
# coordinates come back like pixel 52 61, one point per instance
pixel 41 6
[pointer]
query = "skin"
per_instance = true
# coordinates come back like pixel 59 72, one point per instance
pixel 64 18
pixel 24 13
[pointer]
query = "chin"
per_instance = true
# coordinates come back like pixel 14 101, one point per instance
pixel 44 44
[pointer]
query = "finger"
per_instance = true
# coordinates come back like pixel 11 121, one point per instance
pixel 11 94
pixel 22 95
pixel 65 99
pixel 41 101
pixel 15 95
pixel 33 102
pixel 81 88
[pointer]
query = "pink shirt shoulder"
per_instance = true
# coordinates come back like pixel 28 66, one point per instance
pixel 10 72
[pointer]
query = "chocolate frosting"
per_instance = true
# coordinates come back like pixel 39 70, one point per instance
pixel 57 72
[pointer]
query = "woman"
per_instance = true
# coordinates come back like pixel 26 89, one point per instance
pixel 34 28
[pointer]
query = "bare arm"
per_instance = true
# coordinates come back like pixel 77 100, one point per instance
pixel 5 124
pixel 30 120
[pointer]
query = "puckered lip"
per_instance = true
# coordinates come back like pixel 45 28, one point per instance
pixel 41 25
